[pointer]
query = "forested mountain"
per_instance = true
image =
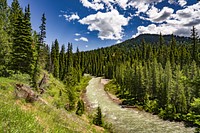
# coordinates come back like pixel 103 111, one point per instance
pixel 153 39
pixel 159 73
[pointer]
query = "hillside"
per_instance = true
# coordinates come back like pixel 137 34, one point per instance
pixel 46 115
pixel 152 39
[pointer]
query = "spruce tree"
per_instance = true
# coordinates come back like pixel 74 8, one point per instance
pixel 22 55
pixel 5 44
pixel 62 62
pixel 55 58
pixel 40 51
pixel 194 37
pixel 98 118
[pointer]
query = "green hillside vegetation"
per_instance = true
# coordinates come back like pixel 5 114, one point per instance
pixel 48 115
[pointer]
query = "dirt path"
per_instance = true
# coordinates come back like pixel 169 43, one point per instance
pixel 126 120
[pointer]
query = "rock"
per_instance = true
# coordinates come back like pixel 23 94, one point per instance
pixel 25 92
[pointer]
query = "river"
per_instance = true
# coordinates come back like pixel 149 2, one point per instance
pixel 126 120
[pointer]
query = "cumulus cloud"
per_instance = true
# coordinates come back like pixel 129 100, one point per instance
pixel 81 39
pixel 153 29
pixel 140 5
pixel 178 23
pixel 159 16
pixel 109 24
pixel 96 5
pixel 193 23
pixel 71 17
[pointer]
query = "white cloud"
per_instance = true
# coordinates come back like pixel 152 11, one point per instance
pixel 118 41
pixel 159 16
pixel 182 2
pixel 77 34
pixel 96 5
pixel 71 17
pixel 143 5
pixel 140 5
pixel 171 1
pixel 81 39
pixel 109 24
pixel 153 29
pixel 86 46
pixel 84 39
pixel 76 39
pixel 122 3
pixel 179 23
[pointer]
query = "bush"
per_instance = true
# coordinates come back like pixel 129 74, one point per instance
pixel 151 106
pixel 24 78
pixel 195 106
pixel 80 108
pixel 98 118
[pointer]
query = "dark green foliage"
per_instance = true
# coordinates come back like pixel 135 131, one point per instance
pixel 62 62
pixel 80 108
pixel 5 44
pixel 194 37
pixel 42 29
pixel 72 98
pixel 23 52
pixel 55 58
pixel 98 118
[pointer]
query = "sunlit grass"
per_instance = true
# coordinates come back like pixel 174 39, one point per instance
pixel 18 116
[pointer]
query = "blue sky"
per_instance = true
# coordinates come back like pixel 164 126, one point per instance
pixel 91 24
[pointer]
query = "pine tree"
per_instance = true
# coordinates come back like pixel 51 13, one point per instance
pixel 80 108
pixel 194 37
pixel 98 118
pixel 5 44
pixel 154 88
pixel 40 51
pixel 62 62
pixel 168 83
pixel 42 29
pixel 179 99
pixel 22 55
pixel 14 14
pixel 55 58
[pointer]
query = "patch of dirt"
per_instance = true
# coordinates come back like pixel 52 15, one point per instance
pixel 26 106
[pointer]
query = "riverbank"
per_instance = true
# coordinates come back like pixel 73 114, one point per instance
pixel 128 120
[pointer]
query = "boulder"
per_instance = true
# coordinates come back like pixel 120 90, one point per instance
pixel 25 92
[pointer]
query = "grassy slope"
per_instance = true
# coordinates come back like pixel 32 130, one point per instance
pixel 18 116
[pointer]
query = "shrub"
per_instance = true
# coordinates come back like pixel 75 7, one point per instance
pixel 98 118
pixel 80 108
pixel 24 78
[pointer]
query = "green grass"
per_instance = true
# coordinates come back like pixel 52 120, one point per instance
pixel 17 116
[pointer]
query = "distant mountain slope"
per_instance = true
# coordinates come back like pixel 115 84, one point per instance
pixel 153 39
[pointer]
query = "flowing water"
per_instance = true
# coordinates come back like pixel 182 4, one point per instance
pixel 128 120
